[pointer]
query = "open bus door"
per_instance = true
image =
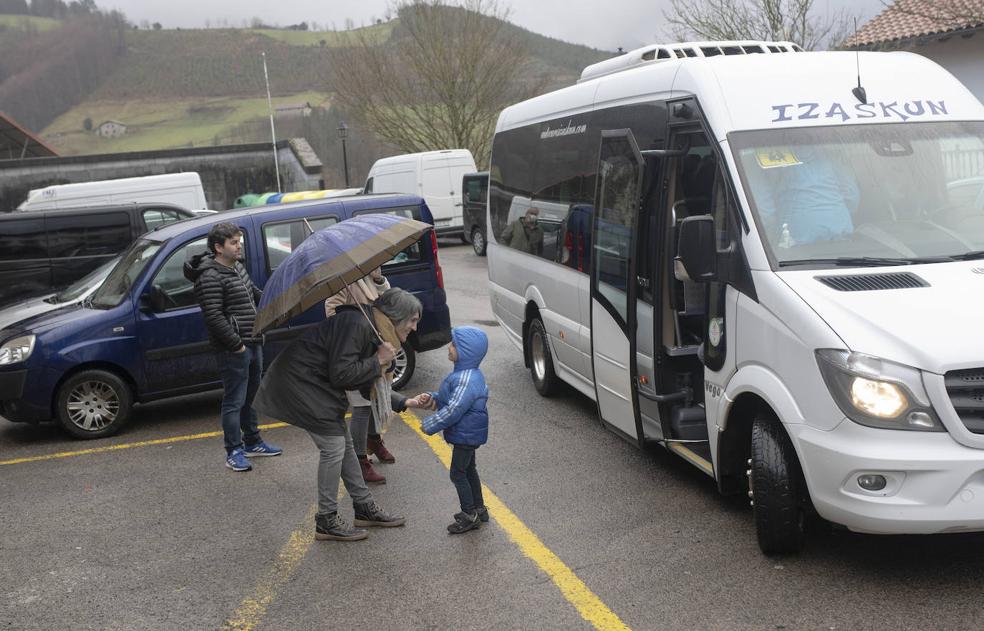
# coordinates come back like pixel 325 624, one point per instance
pixel 613 286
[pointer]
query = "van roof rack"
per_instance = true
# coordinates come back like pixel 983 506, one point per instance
pixel 655 53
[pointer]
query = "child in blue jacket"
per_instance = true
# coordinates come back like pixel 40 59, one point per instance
pixel 462 415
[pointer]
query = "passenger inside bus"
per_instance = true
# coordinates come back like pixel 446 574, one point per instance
pixel 803 196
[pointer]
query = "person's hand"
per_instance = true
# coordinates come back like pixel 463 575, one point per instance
pixel 385 354
pixel 377 274
pixel 242 349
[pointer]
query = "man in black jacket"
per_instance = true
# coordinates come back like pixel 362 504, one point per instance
pixel 228 300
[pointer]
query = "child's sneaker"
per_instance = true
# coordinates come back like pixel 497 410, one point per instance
pixel 463 522
pixel 262 449
pixel 483 514
pixel 237 461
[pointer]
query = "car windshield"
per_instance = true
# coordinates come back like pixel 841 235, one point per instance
pixel 121 278
pixel 78 289
pixel 866 194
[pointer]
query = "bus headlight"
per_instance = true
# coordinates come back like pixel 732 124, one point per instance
pixel 16 350
pixel 878 393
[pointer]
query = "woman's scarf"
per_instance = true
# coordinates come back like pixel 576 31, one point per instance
pixel 382 388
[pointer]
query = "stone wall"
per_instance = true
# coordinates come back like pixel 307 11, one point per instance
pixel 226 171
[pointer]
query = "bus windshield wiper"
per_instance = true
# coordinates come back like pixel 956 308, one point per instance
pixel 968 256
pixel 865 261
pixel 860 261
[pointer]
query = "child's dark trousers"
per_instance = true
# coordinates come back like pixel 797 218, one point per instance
pixel 464 475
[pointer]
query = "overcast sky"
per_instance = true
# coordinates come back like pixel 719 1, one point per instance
pixel 605 24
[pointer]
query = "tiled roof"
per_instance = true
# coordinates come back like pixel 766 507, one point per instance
pixel 907 19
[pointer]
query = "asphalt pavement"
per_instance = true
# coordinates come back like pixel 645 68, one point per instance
pixel 588 531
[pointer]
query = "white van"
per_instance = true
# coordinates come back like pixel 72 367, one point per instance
pixel 180 189
pixel 768 270
pixel 433 175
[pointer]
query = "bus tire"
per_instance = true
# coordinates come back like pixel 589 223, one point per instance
pixel 541 362
pixel 775 485
pixel 93 404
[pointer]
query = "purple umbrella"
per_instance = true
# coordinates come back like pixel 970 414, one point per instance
pixel 331 259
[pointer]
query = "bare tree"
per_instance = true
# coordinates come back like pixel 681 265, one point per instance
pixel 441 81
pixel 790 20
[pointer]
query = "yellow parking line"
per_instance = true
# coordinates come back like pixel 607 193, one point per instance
pixel 574 590
pixel 251 611
pixel 142 443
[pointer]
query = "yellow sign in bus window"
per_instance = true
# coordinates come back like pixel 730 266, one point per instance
pixel 772 157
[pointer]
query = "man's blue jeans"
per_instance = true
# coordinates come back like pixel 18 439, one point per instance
pixel 241 374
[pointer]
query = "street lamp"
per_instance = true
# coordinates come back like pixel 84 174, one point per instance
pixel 343 134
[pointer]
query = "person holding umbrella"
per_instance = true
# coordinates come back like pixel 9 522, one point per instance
pixel 305 386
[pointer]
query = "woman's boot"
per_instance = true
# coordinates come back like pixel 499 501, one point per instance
pixel 368 473
pixel 378 448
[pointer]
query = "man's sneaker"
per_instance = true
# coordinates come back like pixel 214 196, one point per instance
pixel 483 514
pixel 370 514
pixel 237 461
pixel 333 527
pixel 463 522
pixel 262 449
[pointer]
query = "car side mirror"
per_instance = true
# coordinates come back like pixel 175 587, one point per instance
pixel 696 257
pixel 152 301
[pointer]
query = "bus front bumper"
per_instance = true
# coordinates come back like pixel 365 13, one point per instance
pixel 933 484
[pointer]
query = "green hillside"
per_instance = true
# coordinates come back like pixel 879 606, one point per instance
pixel 28 23
pixel 165 123
pixel 181 87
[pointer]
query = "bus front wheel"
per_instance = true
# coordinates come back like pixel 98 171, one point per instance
pixel 541 363
pixel 775 485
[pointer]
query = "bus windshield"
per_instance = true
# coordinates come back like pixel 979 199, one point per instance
pixel 116 286
pixel 866 194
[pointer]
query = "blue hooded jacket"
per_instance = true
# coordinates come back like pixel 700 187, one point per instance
pixel 461 410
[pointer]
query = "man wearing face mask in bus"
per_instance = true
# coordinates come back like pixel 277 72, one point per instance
pixel 525 234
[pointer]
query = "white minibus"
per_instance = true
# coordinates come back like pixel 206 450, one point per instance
pixel 769 262
pixel 434 175
pixel 180 189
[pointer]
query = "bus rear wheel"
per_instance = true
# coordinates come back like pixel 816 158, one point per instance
pixel 776 488
pixel 541 362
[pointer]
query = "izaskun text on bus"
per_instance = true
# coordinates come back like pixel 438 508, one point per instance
pixel 747 260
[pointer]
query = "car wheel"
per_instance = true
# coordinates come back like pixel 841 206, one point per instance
pixel 406 361
pixel 93 404
pixel 478 241
pixel 776 488
pixel 541 362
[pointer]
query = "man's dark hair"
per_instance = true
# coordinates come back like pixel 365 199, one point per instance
pixel 221 232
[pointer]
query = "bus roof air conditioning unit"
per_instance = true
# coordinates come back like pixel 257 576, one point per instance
pixel 656 53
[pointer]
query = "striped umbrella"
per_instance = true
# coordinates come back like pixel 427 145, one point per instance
pixel 331 259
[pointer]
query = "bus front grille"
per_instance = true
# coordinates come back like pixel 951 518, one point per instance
pixel 966 390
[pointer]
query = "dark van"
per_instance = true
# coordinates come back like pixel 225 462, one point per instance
pixel 474 194
pixel 141 337
pixel 42 250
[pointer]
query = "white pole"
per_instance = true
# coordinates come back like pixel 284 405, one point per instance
pixel 273 132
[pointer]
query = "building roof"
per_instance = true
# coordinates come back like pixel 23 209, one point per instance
pixel 17 142
pixel 112 122
pixel 911 19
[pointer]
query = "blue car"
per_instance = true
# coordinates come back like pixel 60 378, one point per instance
pixel 141 337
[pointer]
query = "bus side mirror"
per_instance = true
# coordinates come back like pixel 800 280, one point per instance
pixel 696 257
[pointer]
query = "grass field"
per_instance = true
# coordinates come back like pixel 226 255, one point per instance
pixel 27 22
pixel 161 124
pixel 378 33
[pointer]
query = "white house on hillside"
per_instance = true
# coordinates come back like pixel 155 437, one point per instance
pixel 111 129
pixel 950 32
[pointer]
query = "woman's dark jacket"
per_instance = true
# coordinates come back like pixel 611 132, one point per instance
pixel 305 386
pixel 228 299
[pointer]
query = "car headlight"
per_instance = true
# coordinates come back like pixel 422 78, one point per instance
pixel 16 350
pixel 878 393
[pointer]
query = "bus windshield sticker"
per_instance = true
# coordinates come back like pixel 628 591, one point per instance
pixel 772 157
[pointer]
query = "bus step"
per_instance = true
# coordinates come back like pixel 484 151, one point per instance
pixel 689 423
